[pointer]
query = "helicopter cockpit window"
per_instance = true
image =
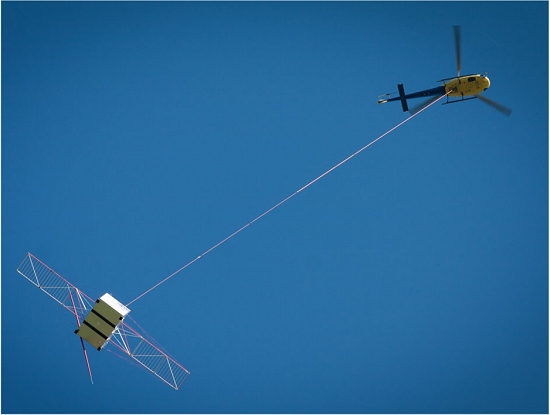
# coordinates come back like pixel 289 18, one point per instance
pixel 471 79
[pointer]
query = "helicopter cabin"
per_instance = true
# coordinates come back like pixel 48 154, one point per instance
pixel 101 322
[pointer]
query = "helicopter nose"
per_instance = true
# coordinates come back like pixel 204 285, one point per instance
pixel 486 83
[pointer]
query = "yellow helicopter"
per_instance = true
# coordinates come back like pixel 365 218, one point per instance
pixel 464 88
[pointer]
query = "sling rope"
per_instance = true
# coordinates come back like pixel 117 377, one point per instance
pixel 287 198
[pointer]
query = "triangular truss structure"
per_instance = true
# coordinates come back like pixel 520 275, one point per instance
pixel 141 348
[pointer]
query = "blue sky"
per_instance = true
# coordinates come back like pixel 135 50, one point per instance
pixel 412 279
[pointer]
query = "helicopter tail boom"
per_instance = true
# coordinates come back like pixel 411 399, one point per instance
pixel 438 91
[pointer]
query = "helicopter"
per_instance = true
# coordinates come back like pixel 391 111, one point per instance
pixel 463 88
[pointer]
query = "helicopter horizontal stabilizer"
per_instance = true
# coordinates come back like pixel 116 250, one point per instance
pixel 402 97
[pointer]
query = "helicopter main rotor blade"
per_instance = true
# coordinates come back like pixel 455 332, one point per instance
pixel 423 104
pixel 457 48
pixel 499 107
